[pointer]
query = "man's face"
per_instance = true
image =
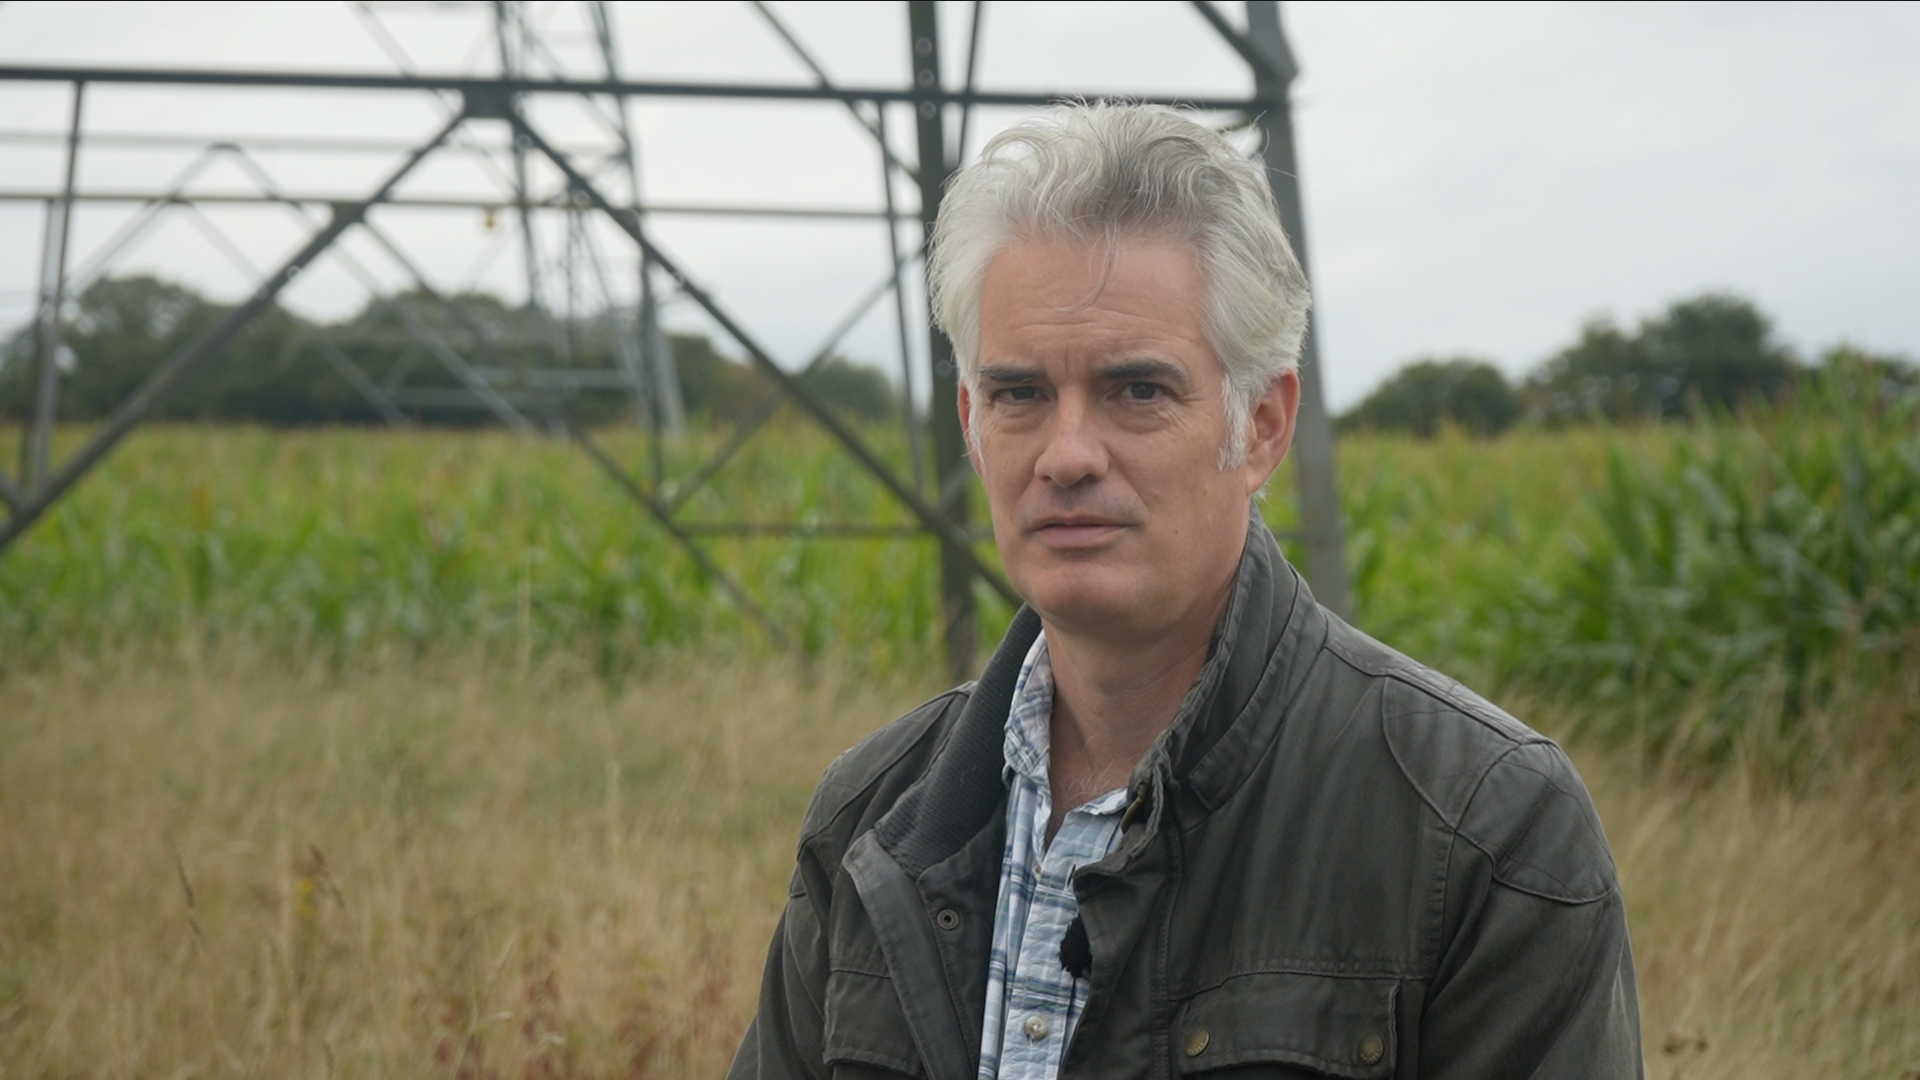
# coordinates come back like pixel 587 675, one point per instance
pixel 1098 434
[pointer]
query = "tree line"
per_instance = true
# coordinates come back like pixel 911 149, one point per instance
pixel 1709 354
pixel 1713 354
pixel 284 370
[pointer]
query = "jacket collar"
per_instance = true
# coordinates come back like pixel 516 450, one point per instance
pixel 1261 650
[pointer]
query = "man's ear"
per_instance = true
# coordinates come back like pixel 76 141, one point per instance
pixel 1270 431
pixel 965 403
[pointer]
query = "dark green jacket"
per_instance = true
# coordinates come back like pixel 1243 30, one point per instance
pixel 1337 862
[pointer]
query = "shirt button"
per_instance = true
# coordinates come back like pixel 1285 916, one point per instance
pixel 1036 1028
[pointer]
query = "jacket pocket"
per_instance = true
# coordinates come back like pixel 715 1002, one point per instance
pixel 866 1031
pixel 1289 1024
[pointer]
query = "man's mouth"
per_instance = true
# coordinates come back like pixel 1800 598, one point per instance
pixel 1076 530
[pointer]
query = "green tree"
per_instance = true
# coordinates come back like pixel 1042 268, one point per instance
pixel 713 384
pixel 1712 352
pixel 855 389
pixel 1606 374
pixel 1427 395
pixel 121 330
pixel 1876 380
pixel 1723 349
pixel 262 378
pixel 721 388
pixel 403 341
pixel 274 372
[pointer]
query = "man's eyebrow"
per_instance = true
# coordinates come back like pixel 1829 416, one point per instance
pixel 1009 375
pixel 1159 371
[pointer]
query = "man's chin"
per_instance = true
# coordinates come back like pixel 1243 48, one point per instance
pixel 1086 612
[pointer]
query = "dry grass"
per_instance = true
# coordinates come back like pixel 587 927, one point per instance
pixel 437 873
pixel 1775 934
pixel 451 872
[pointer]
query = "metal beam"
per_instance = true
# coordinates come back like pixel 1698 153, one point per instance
pixel 973 57
pixel 634 88
pixel 443 351
pixel 131 232
pixel 182 363
pixel 652 505
pixel 1277 68
pixel 1313 431
pixel 872 126
pixel 456 398
pixel 245 142
pixel 50 225
pixel 765 408
pixel 938 502
pixel 909 419
pixel 950 533
pixel 46 399
pixel 348 370
pixel 649 360
pixel 448 202
pixel 950 462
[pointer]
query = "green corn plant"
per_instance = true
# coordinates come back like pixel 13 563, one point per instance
pixel 1737 597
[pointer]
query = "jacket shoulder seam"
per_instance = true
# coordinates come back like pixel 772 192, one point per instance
pixel 1416 676
pixel 1502 860
pixel 1450 818
pixel 836 791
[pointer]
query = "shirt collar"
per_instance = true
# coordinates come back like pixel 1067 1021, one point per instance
pixel 1029 731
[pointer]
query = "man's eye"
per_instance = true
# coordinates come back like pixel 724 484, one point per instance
pixel 1019 393
pixel 1144 391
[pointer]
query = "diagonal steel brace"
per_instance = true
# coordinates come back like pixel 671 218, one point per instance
pixel 136 408
pixel 734 589
pixel 931 519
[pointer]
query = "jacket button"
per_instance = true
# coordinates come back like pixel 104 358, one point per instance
pixel 1371 1048
pixel 947 919
pixel 1197 1042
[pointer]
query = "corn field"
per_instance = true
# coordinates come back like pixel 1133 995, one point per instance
pixel 1743 589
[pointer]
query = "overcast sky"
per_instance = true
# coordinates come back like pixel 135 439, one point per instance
pixel 1480 179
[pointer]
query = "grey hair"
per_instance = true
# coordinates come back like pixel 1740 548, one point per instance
pixel 1099 171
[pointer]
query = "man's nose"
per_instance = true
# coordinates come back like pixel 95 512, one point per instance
pixel 1074 452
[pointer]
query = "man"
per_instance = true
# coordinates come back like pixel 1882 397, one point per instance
pixel 1187 820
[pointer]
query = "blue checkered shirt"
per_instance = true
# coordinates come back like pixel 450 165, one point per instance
pixel 1032 1001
